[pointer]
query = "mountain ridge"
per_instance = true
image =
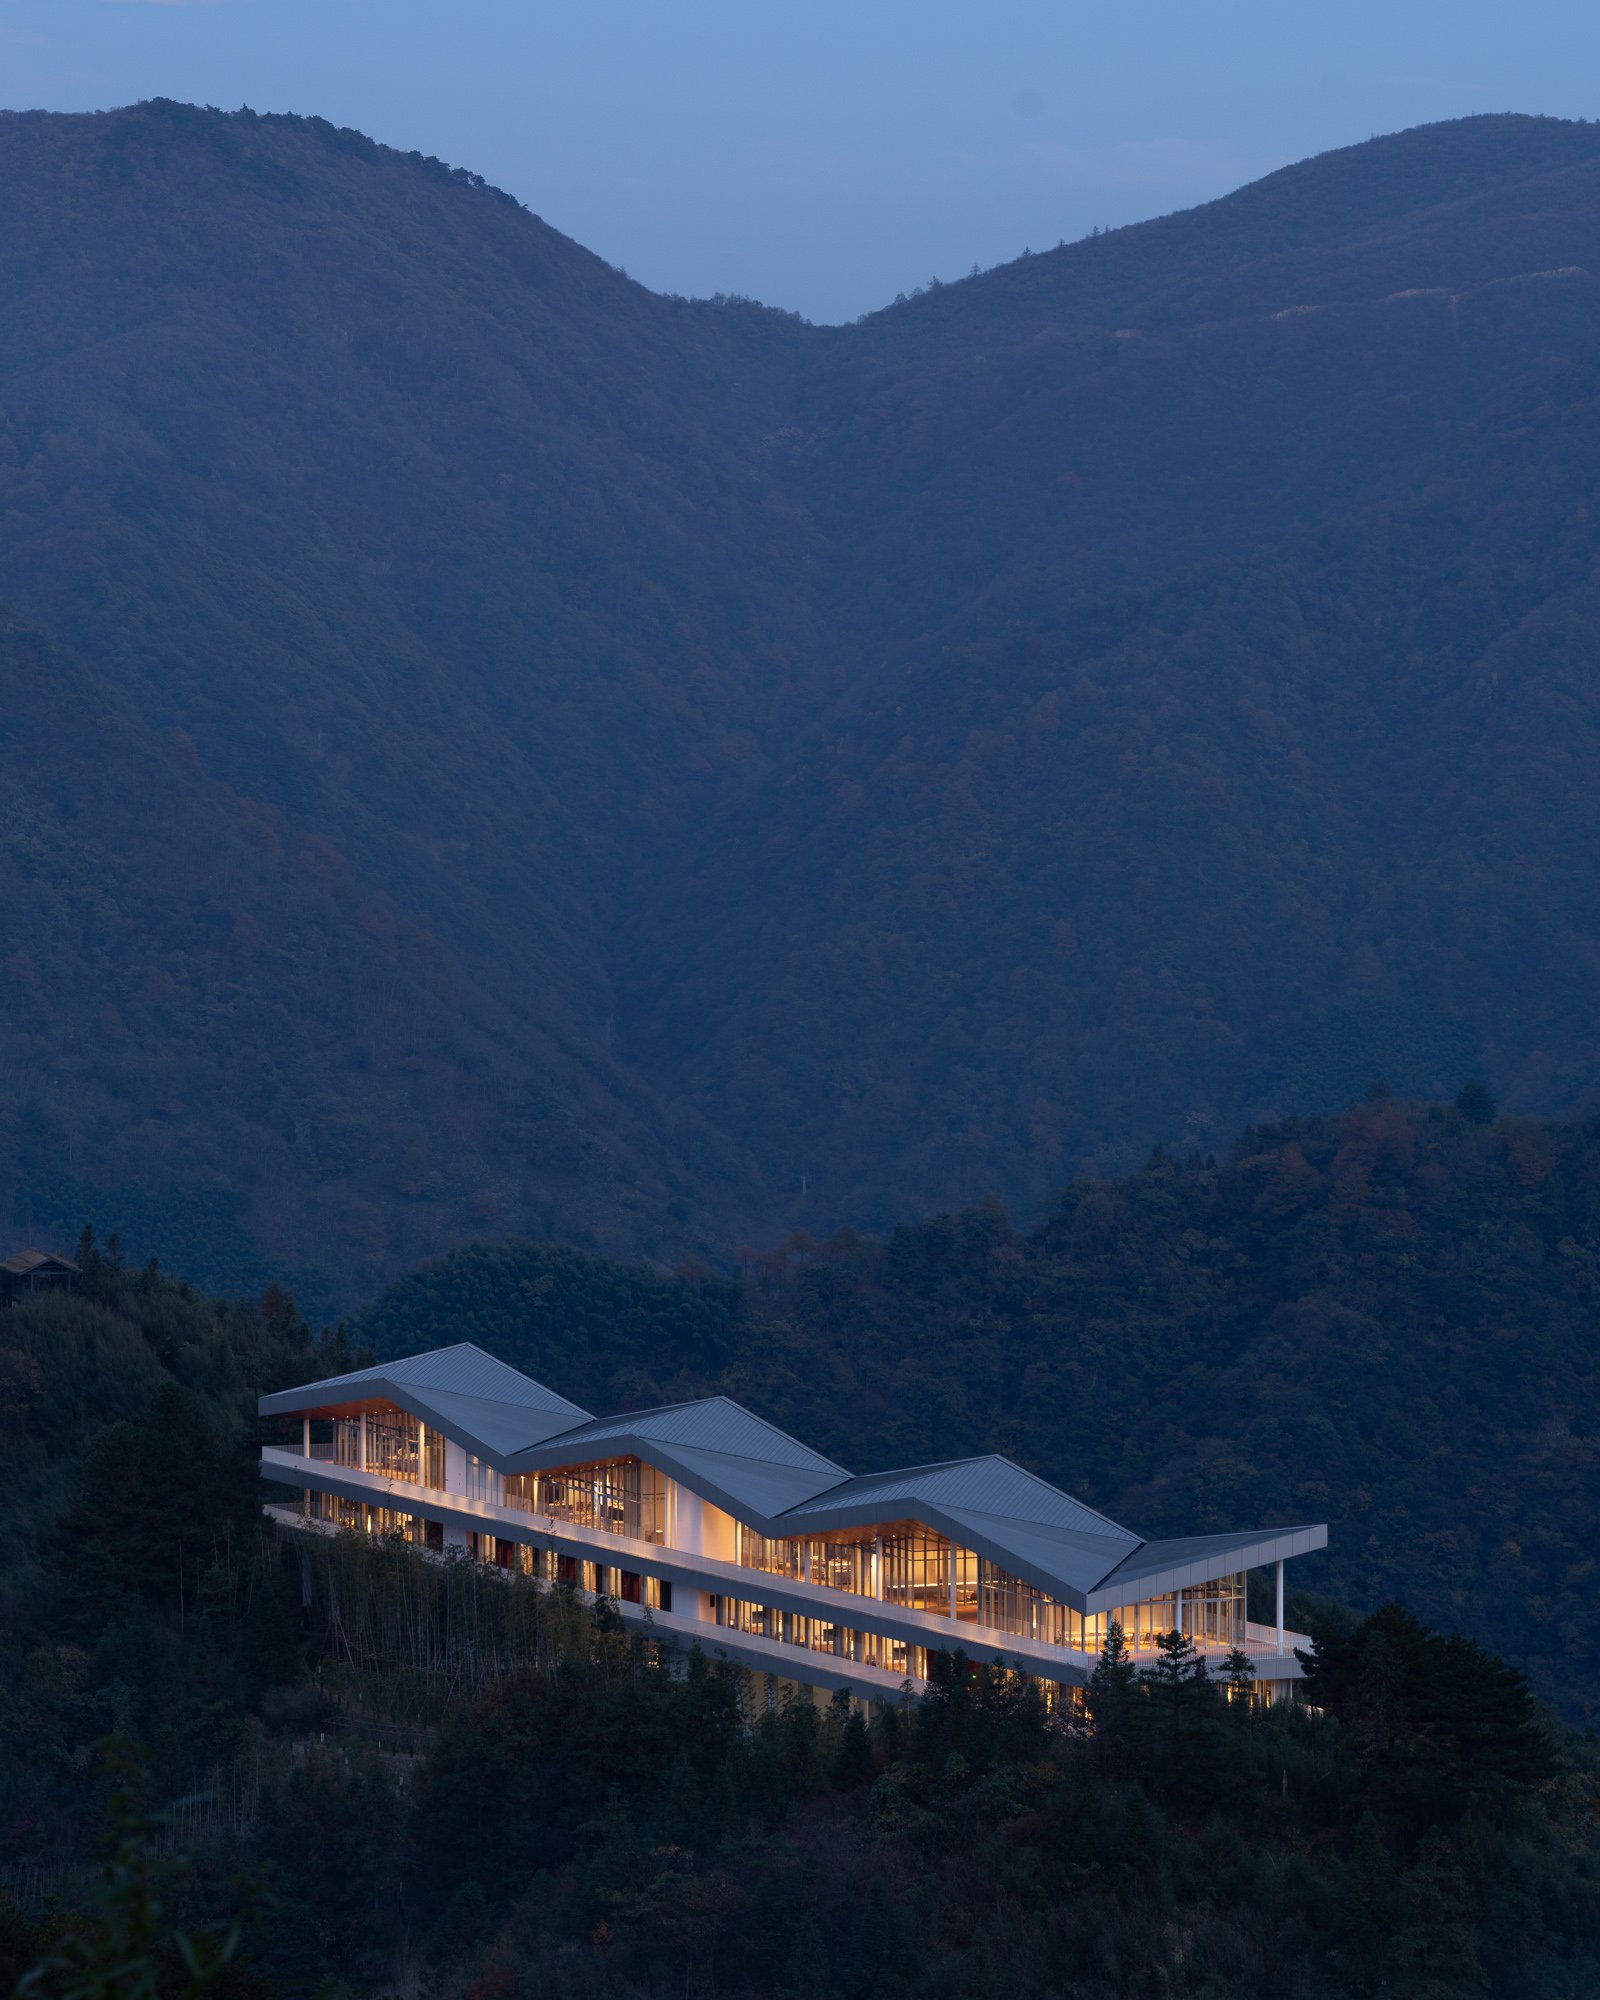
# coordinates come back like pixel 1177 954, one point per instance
pixel 833 770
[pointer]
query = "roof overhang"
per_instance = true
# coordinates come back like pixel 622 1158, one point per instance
pixel 442 1410
pixel 704 1472
pixel 1158 1567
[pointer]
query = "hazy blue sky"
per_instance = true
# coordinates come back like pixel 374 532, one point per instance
pixel 824 156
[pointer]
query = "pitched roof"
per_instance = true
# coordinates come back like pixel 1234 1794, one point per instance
pixel 780 1486
pixel 1155 1568
pixel 27 1261
pixel 487 1407
pixel 715 1444
pixel 993 1506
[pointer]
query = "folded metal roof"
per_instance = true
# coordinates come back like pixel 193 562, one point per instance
pixel 1158 1567
pixel 988 1504
pixel 724 1451
pixel 781 1487
pixel 488 1408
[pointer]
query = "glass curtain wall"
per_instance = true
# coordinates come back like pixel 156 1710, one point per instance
pixel 364 1520
pixel 620 1496
pixel 907 1565
pixel 914 1568
pixel 923 1571
pixel 822 1635
pixel 394 1447
pixel 1213 1613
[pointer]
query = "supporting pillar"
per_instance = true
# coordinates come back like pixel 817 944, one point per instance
pixel 305 1437
pixel 1180 1610
pixel 1280 1604
pixel 952 1583
pixel 422 1453
pixel 363 1440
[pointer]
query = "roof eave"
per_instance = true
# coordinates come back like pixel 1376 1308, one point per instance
pixel 405 1396
pixel 557 1452
pixel 1128 1583
pixel 809 1520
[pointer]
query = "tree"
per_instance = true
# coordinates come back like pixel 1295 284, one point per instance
pixel 1114 1689
pixel 126 1946
pixel 1238 1681
pixel 1437 1723
pixel 1476 1105
pixel 852 1758
pixel 1178 1687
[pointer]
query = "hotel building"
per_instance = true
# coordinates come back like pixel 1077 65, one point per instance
pixel 718 1528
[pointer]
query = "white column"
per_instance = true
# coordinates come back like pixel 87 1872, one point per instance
pixel 877 1566
pixel 952 1583
pixel 422 1453
pixel 363 1440
pixel 1180 1610
pixel 1280 1604
pixel 455 1467
pixel 305 1437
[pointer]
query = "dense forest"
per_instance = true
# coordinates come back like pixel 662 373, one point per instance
pixel 1383 1320
pixel 654 774
pixel 239 1766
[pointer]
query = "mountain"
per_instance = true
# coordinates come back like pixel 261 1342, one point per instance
pixel 544 757
pixel 1384 1320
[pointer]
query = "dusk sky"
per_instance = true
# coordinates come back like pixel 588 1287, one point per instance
pixel 824 157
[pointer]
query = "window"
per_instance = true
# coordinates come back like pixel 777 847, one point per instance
pixel 620 1496
pixel 395 1447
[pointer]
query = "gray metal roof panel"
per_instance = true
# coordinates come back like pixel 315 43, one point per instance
pixel 730 1456
pixel 463 1369
pixel 488 1407
pixel 1062 1562
pixel 492 1429
pixel 990 1485
pixel 759 1490
pixel 714 1423
pixel 1156 1567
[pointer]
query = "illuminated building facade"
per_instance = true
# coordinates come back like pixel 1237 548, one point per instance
pixel 718 1528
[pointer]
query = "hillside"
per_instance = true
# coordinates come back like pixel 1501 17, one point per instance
pixel 658 774
pixel 221 1745
pixel 1384 1320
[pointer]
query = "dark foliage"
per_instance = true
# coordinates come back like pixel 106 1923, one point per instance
pixel 652 773
pixel 388 1772
pixel 1384 1320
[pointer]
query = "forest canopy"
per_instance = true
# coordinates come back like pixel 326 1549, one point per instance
pixel 1383 1320
pixel 261 1763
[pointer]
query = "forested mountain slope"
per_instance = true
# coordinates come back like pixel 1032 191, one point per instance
pixel 687 773
pixel 294 1753
pixel 1385 1320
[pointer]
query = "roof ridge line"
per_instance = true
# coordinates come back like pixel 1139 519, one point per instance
pixel 718 1396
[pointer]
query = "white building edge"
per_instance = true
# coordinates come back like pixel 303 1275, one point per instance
pixel 720 1529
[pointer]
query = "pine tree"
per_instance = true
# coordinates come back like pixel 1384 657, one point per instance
pixel 1176 1682
pixel 1238 1681
pixel 1114 1689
